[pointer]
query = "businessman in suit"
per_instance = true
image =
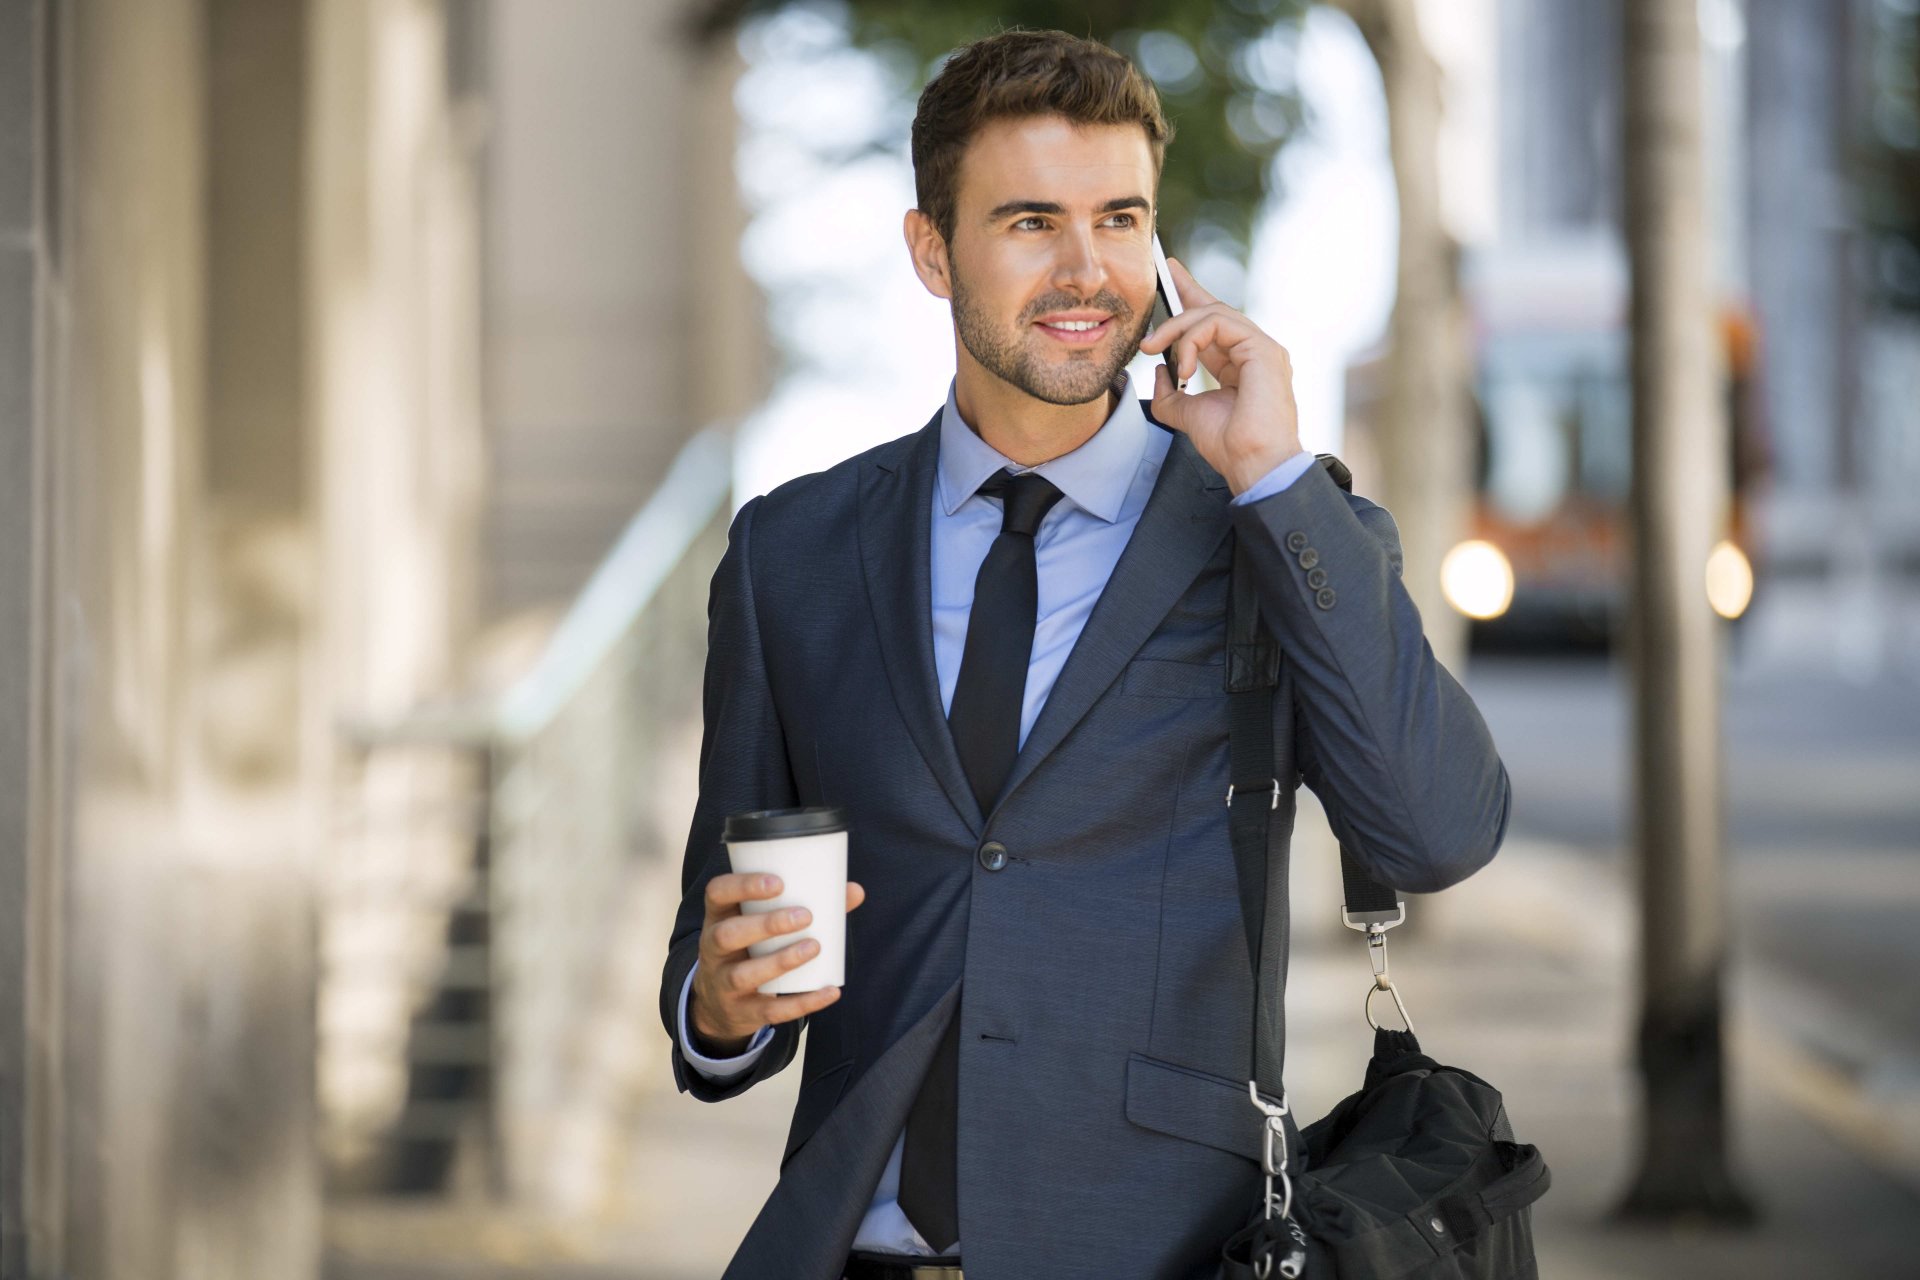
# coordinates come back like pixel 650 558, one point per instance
pixel 998 644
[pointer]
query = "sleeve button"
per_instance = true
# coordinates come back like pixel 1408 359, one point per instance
pixel 1309 558
pixel 1317 579
pixel 1325 598
pixel 1296 540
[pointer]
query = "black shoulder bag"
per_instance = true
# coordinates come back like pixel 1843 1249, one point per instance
pixel 1416 1176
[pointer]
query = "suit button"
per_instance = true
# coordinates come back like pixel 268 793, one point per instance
pixel 1325 598
pixel 993 855
pixel 1309 558
pixel 1317 579
pixel 1296 540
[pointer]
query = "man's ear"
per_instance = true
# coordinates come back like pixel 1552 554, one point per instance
pixel 929 253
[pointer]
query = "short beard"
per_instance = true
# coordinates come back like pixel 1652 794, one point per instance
pixel 1014 361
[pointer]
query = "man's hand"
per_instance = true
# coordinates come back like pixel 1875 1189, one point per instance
pixel 1250 425
pixel 726 1008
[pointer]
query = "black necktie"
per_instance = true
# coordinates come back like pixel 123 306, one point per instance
pixel 985 722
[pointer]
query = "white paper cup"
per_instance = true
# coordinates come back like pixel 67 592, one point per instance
pixel 807 849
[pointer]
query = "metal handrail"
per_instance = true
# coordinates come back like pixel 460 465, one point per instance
pixel 567 864
pixel 620 587
pixel 653 542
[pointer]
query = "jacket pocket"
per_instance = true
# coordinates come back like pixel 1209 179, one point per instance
pixel 1195 1105
pixel 1167 678
pixel 818 1097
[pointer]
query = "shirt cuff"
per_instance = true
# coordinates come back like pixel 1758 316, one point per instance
pixel 1275 480
pixel 717 1068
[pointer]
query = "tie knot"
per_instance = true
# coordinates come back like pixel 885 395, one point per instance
pixel 1027 499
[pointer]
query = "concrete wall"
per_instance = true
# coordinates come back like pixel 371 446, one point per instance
pixel 238 465
pixel 619 317
pixel 393 266
pixel 178 878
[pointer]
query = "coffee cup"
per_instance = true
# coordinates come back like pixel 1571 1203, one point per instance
pixel 807 849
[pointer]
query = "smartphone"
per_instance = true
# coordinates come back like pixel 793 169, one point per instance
pixel 1170 299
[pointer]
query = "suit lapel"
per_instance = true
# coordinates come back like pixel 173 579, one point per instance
pixel 1184 520
pixel 896 553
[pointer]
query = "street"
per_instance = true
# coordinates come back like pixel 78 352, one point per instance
pixel 1823 811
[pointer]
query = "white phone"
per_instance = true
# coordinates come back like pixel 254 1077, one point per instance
pixel 1170 299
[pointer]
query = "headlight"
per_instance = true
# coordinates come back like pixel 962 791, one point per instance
pixel 1729 580
pixel 1477 580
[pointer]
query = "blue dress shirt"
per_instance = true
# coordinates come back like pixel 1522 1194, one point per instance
pixel 1106 483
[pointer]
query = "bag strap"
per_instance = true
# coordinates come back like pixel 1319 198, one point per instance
pixel 1525 1181
pixel 1253 793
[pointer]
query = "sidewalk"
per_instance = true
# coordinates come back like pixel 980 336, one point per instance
pixel 1523 975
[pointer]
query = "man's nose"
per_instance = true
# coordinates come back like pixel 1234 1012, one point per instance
pixel 1079 268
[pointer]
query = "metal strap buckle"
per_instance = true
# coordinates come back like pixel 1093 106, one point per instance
pixel 1271 782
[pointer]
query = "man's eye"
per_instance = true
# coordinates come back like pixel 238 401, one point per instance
pixel 1126 220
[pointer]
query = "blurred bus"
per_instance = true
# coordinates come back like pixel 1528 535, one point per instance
pixel 1545 557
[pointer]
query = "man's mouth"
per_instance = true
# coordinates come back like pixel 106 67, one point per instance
pixel 1076 333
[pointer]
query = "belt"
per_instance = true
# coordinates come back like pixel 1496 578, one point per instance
pixel 865 1265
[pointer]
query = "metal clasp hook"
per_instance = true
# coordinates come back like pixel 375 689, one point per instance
pixel 1375 926
pixel 1273 1150
pixel 1279 1198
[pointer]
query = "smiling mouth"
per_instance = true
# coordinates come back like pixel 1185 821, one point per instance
pixel 1076 336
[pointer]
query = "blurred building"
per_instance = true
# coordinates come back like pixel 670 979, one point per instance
pixel 1821 367
pixel 619 318
pixel 244 483
pixel 332 332
pixel 1787 84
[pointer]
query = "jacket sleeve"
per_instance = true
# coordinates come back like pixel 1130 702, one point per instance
pixel 1394 748
pixel 743 765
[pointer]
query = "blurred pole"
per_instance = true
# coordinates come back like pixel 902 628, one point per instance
pixel 32 1086
pixel 1425 441
pixel 1673 638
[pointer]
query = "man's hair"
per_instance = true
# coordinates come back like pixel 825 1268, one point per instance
pixel 1016 74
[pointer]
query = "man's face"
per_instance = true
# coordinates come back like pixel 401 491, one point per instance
pixel 1053 227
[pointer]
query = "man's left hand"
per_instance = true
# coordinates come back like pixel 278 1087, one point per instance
pixel 1250 425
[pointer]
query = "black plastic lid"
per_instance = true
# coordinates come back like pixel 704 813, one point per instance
pixel 773 824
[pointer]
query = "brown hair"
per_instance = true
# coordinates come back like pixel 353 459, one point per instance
pixel 1014 74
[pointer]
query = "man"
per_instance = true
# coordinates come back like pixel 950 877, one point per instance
pixel 997 643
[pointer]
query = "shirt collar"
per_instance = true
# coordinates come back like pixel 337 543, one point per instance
pixel 1096 477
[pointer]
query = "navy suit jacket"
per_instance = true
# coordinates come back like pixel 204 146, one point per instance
pixel 1100 974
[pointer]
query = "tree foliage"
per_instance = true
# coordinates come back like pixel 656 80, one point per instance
pixel 1224 69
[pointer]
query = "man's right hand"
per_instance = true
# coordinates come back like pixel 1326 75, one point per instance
pixel 726 1008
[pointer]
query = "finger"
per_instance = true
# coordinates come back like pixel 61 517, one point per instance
pixel 1191 294
pixel 787 1008
pixel 1169 404
pixel 1218 362
pixel 736 933
pixel 726 893
pixel 856 894
pixel 1190 335
pixel 1170 329
pixel 746 977
pixel 1215 342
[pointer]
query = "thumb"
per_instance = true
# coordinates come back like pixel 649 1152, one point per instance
pixel 1169 402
